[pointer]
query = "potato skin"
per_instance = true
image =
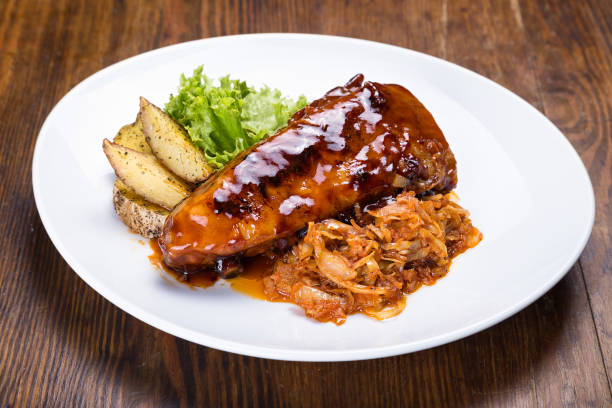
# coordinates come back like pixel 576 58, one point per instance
pixel 132 137
pixel 142 217
pixel 171 144
pixel 139 215
pixel 150 182
pixel 143 173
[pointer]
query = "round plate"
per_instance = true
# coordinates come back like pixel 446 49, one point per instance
pixel 513 166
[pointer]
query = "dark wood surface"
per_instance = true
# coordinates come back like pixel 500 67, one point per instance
pixel 62 344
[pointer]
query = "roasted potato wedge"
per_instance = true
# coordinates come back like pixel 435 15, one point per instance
pixel 132 137
pixel 171 144
pixel 145 175
pixel 144 218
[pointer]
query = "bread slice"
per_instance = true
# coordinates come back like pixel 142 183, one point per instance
pixel 141 216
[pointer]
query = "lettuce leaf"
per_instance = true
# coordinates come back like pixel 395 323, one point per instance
pixel 225 119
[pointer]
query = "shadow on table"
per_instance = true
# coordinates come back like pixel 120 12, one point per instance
pixel 126 362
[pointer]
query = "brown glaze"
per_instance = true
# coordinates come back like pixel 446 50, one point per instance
pixel 250 282
pixel 201 279
pixel 345 148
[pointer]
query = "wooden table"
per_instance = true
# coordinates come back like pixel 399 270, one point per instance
pixel 62 344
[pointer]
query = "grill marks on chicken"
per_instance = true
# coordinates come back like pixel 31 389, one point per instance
pixel 358 143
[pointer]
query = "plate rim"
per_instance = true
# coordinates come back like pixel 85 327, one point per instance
pixel 274 353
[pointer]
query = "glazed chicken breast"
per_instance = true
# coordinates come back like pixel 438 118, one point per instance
pixel 358 143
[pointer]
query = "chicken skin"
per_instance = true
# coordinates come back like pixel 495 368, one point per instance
pixel 358 143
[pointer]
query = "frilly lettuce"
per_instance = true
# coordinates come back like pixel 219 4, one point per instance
pixel 225 119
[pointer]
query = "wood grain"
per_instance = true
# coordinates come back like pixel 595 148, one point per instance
pixel 61 344
pixel 577 99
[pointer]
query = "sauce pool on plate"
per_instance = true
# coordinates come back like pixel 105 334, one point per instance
pixel 202 279
pixel 249 282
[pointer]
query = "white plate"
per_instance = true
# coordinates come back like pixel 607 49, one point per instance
pixel 525 186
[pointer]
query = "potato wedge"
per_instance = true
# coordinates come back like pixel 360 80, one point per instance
pixel 132 137
pixel 144 218
pixel 145 175
pixel 171 144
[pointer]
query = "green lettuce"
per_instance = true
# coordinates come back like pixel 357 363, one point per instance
pixel 225 119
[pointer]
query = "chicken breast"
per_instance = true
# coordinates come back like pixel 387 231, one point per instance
pixel 358 143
